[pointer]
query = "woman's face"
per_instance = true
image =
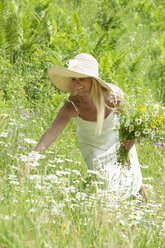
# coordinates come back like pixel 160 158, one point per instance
pixel 82 86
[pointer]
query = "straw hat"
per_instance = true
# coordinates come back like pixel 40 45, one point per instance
pixel 83 65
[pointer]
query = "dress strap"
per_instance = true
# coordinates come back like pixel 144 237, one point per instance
pixel 108 106
pixel 74 105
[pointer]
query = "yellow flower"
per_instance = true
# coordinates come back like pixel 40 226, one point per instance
pixel 159 117
pixel 143 109
pixel 159 121
pixel 153 126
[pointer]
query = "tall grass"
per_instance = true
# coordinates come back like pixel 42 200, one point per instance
pixel 53 201
pixel 126 37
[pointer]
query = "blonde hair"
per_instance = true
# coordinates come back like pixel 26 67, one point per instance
pixel 97 97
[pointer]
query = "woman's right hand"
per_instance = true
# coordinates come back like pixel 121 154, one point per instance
pixel 128 144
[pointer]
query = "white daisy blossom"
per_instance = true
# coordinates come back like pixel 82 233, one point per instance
pixel 29 141
pixel 32 158
pixel 156 106
pixel 154 113
pixel 58 160
pixel 146 116
pixel 127 124
pixel 139 121
pixel 4 217
pixel 137 133
pixel 131 128
pixel 36 155
pixel 146 131
pixel 3 134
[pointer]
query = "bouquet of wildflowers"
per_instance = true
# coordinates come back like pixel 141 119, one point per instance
pixel 140 121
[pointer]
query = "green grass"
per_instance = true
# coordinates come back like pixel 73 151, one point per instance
pixel 49 204
pixel 54 202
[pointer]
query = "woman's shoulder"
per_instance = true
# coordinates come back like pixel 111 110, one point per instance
pixel 71 106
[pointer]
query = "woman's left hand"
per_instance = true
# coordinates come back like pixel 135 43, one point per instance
pixel 128 144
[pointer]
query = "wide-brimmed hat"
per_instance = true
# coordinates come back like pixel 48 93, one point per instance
pixel 82 65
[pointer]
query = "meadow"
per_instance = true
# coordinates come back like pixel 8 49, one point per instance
pixel 52 200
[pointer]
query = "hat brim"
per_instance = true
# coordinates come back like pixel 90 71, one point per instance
pixel 62 78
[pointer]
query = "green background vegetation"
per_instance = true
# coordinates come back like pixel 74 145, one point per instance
pixel 128 40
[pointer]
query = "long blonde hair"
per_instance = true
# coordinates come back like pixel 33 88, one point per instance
pixel 97 96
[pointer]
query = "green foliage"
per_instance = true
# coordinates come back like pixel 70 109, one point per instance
pixel 127 38
pixel 41 204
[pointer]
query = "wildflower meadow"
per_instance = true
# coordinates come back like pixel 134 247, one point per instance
pixel 51 200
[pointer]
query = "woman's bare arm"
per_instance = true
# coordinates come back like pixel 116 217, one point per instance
pixel 60 122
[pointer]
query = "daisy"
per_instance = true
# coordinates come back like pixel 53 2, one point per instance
pixel 131 128
pixel 137 133
pixel 154 113
pixel 156 106
pixel 146 116
pixel 139 121
pixel 30 141
pixel 146 131
pixel 127 124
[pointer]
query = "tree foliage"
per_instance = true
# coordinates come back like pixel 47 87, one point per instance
pixel 127 38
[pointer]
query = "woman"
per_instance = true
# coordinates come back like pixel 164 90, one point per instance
pixel 94 106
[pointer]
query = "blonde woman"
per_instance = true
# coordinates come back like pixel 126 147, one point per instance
pixel 94 106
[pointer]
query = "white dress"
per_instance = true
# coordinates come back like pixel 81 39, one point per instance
pixel 100 154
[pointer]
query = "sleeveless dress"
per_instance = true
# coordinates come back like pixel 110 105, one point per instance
pixel 100 155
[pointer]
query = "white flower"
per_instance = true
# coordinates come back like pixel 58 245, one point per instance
pixel 127 124
pixel 3 134
pixel 154 113
pixel 146 131
pixel 131 128
pixel 30 141
pixel 146 116
pixel 139 121
pixel 58 160
pixel 152 133
pixel 4 217
pixel 156 106
pixel 137 133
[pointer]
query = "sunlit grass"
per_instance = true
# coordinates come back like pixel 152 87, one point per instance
pixel 53 201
